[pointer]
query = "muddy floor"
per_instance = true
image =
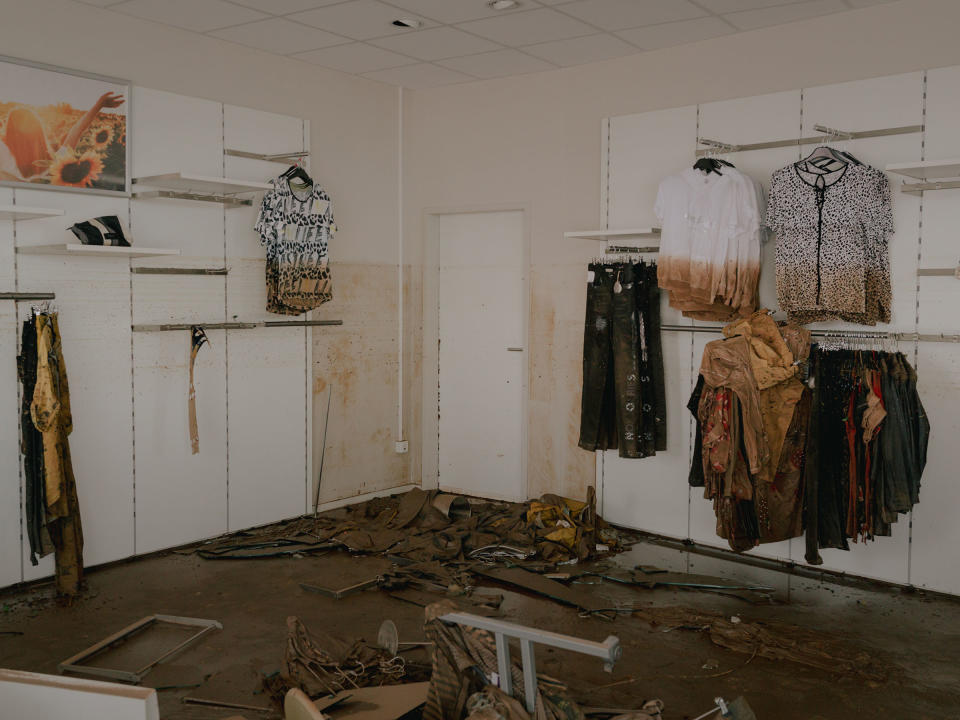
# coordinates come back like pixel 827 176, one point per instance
pixel 918 636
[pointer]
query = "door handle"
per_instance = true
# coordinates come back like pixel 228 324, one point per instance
pixel 514 349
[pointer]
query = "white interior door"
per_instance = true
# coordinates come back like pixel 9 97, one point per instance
pixel 482 307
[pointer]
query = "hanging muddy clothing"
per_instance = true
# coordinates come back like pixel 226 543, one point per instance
pixel 197 340
pixel 623 405
pixel 50 413
pixel 866 449
pixel 31 447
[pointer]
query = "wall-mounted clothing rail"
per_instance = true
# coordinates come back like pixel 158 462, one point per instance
pixel 178 271
pixel 234 325
pixel 27 297
pixel 284 158
pixel 613 249
pixel 830 135
pixel 852 334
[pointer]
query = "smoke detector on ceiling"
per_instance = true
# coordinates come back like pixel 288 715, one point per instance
pixel 503 4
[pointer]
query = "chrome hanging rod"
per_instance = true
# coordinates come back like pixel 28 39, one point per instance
pixel 234 325
pixel 854 334
pixel 27 297
pixel 226 200
pixel 829 134
pixel 178 271
pixel 614 249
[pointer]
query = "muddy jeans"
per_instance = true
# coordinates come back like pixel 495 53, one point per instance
pixel 597 432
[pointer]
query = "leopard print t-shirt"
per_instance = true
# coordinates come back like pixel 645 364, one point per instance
pixel 833 229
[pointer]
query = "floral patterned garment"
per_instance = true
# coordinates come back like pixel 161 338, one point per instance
pixel 833 229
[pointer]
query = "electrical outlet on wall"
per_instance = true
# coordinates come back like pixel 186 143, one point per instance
pixel 402 446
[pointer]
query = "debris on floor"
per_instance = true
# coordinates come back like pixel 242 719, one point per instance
pixel 774 641
pixel 387 702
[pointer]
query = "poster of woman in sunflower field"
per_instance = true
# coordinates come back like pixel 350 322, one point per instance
pixel 62 130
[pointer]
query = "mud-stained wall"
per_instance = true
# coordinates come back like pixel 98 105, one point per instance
pixel 555 463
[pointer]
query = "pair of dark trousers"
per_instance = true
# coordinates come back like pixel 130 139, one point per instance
pixel 652 385
pixel 611 404
pixel 31 445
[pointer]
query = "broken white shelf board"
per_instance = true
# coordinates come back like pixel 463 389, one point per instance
pixel 78 250
pixel 34 695
pixel 625 234
pixel 183 182
pixel 22 212
pixel 927 170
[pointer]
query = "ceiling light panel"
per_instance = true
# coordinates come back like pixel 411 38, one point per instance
pixel 527 28
pixel 421 75
pixel 450 12
pixel 280 36
pixel 497 64
pixel 437 43
pixel 577 51
pixel 621 14
pixel 752 19
pixel 360 19
pixel 655 37
pixel 284 7
pixel 197 15
pixel 355 58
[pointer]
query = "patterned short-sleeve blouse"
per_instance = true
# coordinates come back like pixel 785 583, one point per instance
pixel 295 225
pixel 833 228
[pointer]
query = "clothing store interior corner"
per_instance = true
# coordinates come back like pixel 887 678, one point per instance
pixel 479 359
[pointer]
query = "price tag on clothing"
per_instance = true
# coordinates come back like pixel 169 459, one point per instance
pixel 590 276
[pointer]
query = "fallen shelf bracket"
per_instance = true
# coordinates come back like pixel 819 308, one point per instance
pixel 169 327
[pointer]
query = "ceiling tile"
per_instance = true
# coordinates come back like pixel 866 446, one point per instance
pixel 578 51
pixel 100 3
pixel 437 43
pixel 497 64
pixel 421 75
pixel 867 3
pixel 355 58
pixel 620 14
pixel 727 6
pixel 199 15
pixel 359 19
pixel 455 11
pixel 527 28
pixel 676 33
pixel 280 36
pixel 283 7
pixel 752 19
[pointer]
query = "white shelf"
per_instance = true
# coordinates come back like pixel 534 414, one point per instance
pixel 22 212
pixel 927 170
pixel 205 184
pixel 77 249
pixel 607 235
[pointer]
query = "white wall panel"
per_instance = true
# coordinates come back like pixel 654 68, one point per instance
pixel 93 297
pixel 10 551
pixel 180 497
pixel 652 494
pixel 267 425
pixel 269 378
